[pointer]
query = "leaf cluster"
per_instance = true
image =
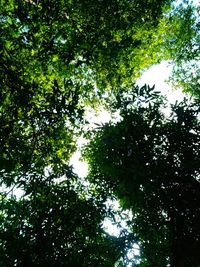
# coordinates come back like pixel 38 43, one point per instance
pixel 151 163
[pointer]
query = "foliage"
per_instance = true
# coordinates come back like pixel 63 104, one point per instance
pixel 151 163
pixel 182 46
pixel 52 225
pixel 56 58
pixel 72 38
pixel 53 56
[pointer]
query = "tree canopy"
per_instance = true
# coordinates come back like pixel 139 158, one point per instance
pixel 53 225
pixel 57 58
pixel 152 164
pixel 182 47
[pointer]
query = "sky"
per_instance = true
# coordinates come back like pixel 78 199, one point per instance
pixel 158 75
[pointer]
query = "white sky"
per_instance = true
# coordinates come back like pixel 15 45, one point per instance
pixel 158 74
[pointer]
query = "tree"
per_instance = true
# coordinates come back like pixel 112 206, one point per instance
pixel 151 163
pixel 53 53
pixel 182 44
pixel 74 37
pixel 53 224
pixel 57 57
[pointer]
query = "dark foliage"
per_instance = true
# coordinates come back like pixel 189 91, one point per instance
pixel 152 164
